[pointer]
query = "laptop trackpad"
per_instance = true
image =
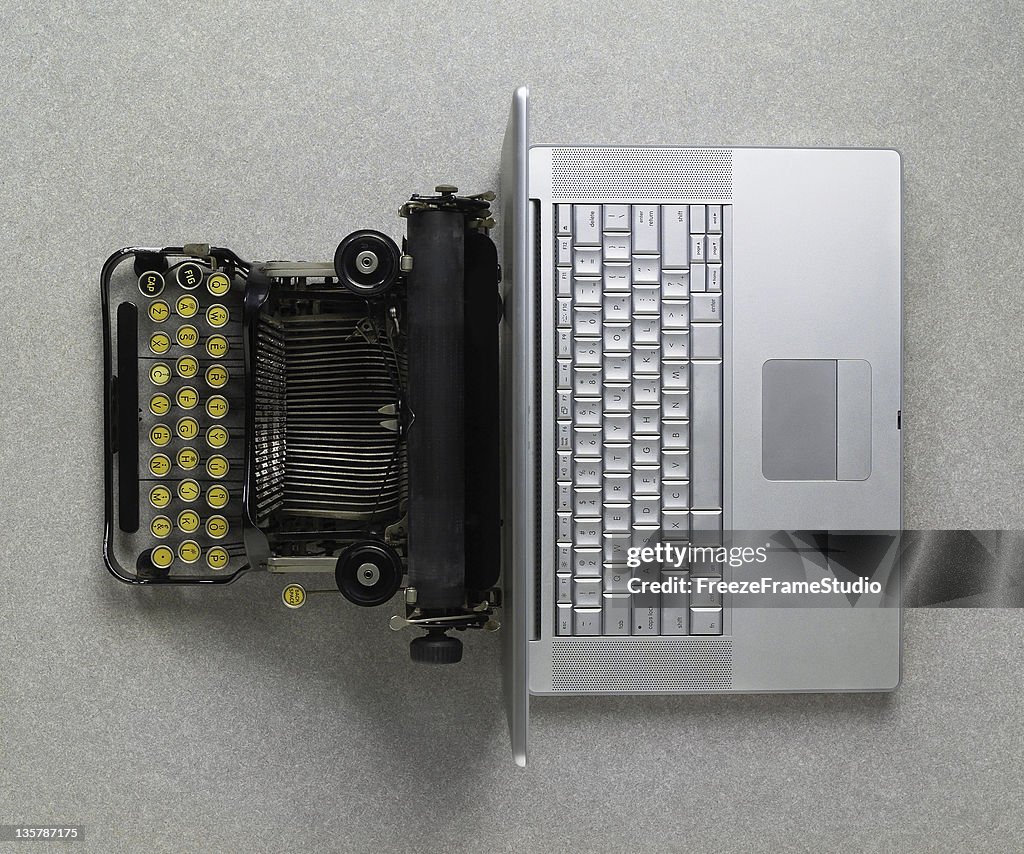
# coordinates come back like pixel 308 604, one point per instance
pixel 816 419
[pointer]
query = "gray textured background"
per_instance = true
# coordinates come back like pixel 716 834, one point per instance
pixel 215 720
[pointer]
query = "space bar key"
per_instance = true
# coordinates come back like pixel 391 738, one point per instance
pixel 706 435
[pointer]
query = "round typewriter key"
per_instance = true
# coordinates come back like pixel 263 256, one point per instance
pixel 217 376
pixel 159 404
pixel 217 466
pixel 217 436
pixel 217 527
pixel 189 551
pixel 188 490
pixel 159 343
pixel 160 526
pixel 217 316
pixel 159 374
pixel 187 336
pixel 217 346
pixel 187 367
pixel 188 459
pixel 188 428
pixel 218 284
pixel 160 435
pixel 159 464
pixel 188 521
pixel 189 274
pixel 217 496
pixel 187 397
pixel 162 557
pixel 217 558
pixel 217 406
pixel 159 311
pixel 160 496
pixel 151 284
pixel 186 306
pixel 294 596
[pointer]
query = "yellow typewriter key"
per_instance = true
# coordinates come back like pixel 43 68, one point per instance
pixel 217 496
pixel 151 284
pixel 188 490
pixel 159 343
pixel 189 551
pixel 187 397
pixel 188 459
pixel 187 336
pixel 188 428
pixel 189 274
pixel 217 346
pixel 186 306
pixel 160 404
pixel 160 435
pixel 159 374
pixel 159 464
pixel 217 406
pixel 217 558
pixel 217 527
pixel 218 284
pixel 187 367
pixel 217 316
pixel 217 376
pixel 160 496
pixel 217 436
pixel 160 526
pixel 188 521
pixel 217 466
pixel 159 311
pixel 162 557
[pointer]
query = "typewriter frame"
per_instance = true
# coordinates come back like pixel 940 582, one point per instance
pixel 449 264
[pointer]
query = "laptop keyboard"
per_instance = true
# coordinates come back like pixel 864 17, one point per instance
pixel 638 385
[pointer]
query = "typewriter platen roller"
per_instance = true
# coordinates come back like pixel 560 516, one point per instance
pixel 339 418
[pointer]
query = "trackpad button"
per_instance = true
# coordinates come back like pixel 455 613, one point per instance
pixel 853 425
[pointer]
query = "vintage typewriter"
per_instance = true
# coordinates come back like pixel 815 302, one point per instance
pixel 314 417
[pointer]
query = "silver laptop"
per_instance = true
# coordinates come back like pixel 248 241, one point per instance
pixel 701 346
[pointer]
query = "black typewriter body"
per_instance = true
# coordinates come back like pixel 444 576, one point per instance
pixel 303 417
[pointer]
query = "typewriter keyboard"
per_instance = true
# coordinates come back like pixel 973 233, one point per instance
pixel 191 404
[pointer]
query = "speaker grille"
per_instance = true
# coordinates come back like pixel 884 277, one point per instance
pixel 641 173
pixel 641 664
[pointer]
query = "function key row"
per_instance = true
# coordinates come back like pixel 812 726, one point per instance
pixel 189 551
pixel 189 276
pixel 587 222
